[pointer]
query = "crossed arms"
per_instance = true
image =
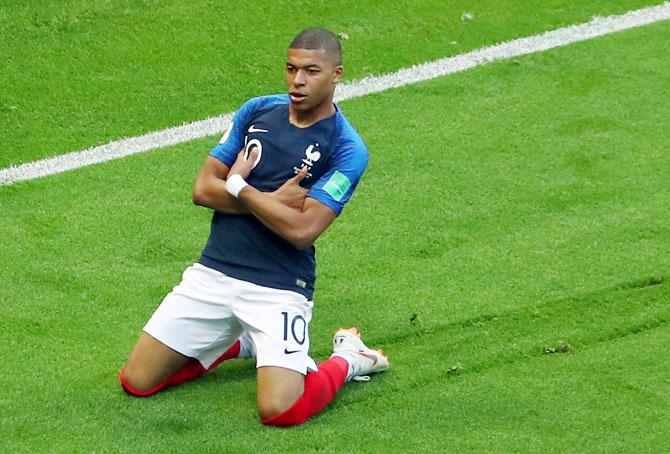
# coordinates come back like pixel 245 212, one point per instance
pixel 288 211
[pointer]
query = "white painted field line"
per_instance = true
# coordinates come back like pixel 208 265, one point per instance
pixel 599 26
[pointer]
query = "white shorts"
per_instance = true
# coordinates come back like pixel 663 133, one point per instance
pixel 208 311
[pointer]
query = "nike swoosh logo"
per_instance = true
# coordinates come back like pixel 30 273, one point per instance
pixel 253 128
pixel 288 352
pixel 372 357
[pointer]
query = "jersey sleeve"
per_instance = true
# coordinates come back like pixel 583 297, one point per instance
pixel 335 187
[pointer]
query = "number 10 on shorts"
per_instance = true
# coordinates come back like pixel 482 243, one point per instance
pixel 296 326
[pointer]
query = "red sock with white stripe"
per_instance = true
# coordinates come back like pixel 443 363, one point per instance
pixel 189 371
pixel 320 388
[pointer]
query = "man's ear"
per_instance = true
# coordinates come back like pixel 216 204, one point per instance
pixel 338 73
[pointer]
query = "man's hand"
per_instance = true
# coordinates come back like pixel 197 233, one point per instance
pixel 291 193
pixel 242 167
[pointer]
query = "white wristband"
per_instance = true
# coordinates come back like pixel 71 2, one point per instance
pixel 234 184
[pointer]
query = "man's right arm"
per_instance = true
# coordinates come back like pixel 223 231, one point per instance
pixel 209 189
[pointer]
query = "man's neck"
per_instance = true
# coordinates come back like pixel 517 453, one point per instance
pixel 307 119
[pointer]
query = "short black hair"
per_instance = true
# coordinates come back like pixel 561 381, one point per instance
pixel 319 38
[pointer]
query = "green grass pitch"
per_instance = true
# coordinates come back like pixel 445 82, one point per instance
pixel 509 246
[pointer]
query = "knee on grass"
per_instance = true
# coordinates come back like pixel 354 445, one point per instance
pixel 271 407
pixel 136 384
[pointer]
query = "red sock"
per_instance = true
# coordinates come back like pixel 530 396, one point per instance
pixel 189 371
pixel 320 388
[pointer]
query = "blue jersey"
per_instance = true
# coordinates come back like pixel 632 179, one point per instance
pixel 335 157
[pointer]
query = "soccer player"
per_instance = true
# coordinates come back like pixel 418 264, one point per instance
pixel 279 177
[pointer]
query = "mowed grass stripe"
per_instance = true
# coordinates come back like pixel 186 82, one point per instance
pixel 178 134
pixel 548 327
pixel 608 396
pixel 82 73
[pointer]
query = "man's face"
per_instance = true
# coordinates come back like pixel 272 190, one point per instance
pixel 311 75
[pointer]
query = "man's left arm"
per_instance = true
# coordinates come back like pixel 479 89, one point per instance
pixel 300 227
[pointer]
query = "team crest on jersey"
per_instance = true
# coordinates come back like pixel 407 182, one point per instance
pixel 312 154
